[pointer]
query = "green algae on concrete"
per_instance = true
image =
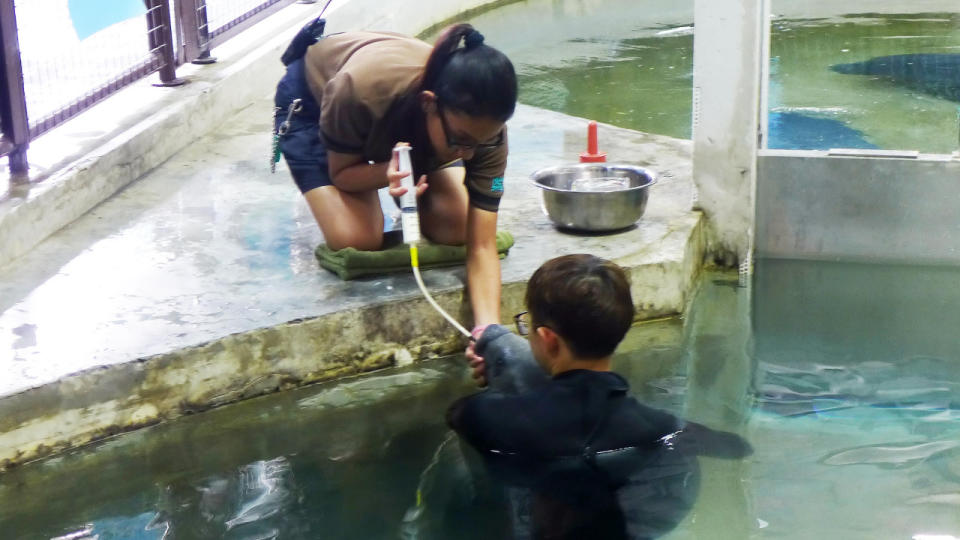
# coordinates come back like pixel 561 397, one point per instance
pixel 355 448
pixel 101 402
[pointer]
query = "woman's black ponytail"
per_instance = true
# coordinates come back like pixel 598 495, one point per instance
pixel 470 77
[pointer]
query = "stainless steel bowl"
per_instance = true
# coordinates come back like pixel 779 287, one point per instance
pixel 594 196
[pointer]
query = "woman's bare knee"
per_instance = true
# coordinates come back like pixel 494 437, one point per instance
pixel 347 219
pixel 357 239
pixel 451 231
pixel 444 217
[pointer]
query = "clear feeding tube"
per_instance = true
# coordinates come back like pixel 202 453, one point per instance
pixel 410 221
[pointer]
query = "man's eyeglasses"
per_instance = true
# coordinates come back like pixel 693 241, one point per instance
pixel 466 146
pixel 522 321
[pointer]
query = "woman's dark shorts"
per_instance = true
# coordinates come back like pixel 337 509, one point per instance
pixel 301 144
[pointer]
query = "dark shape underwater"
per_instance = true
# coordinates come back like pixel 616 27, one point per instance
pixel 934 74
pixel 796 131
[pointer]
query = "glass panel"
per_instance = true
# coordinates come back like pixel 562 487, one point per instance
pixel 869 74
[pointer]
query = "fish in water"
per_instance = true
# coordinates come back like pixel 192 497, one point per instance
pixel 892 456
pixel 952 499
pixel 934 74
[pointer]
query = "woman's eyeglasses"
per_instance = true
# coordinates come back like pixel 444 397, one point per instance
pixel 522 321
pixel 462 145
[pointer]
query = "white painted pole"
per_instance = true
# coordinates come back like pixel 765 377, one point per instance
pixel 727 76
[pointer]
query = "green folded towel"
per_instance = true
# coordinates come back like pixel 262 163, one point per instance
pixel 349 263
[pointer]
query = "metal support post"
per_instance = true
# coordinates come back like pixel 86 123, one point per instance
pixel 13 102
pixel 194 28
pixel 160 34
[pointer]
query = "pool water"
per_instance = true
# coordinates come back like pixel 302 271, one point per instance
pixel 630 63
pixel 845 379
pixel 625 62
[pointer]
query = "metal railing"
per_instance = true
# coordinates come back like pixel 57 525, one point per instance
pixel 46 82
pixel 14 130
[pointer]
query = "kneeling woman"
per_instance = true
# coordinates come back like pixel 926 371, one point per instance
pixel 355 95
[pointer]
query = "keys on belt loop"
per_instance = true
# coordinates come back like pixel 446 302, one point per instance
pixel 274 141
pixel 294 107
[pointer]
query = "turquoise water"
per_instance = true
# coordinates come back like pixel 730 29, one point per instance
pixel 91 16
pixel 844 378
pixel 630 63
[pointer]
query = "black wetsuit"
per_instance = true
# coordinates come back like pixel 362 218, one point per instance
pixel 593 462
pixel 558 419
pixel 579 456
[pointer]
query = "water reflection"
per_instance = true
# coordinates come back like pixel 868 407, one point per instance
pixel 256 502
pixel 920 385
pixel 855 431
pixel 902 455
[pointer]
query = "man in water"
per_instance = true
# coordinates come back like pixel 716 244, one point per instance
pixel 584 459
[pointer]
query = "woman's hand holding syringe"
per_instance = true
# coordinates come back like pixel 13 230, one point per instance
pixel 395 176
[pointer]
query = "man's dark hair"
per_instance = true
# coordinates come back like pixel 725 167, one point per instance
pixel 584 299
pixel 470 77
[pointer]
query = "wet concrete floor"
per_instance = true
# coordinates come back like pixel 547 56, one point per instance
pixel 193 268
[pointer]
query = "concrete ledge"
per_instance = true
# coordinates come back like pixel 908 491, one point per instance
pixel 104 401
pixel 87 160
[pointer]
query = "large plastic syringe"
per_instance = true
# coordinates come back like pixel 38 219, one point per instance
pixel 409 219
